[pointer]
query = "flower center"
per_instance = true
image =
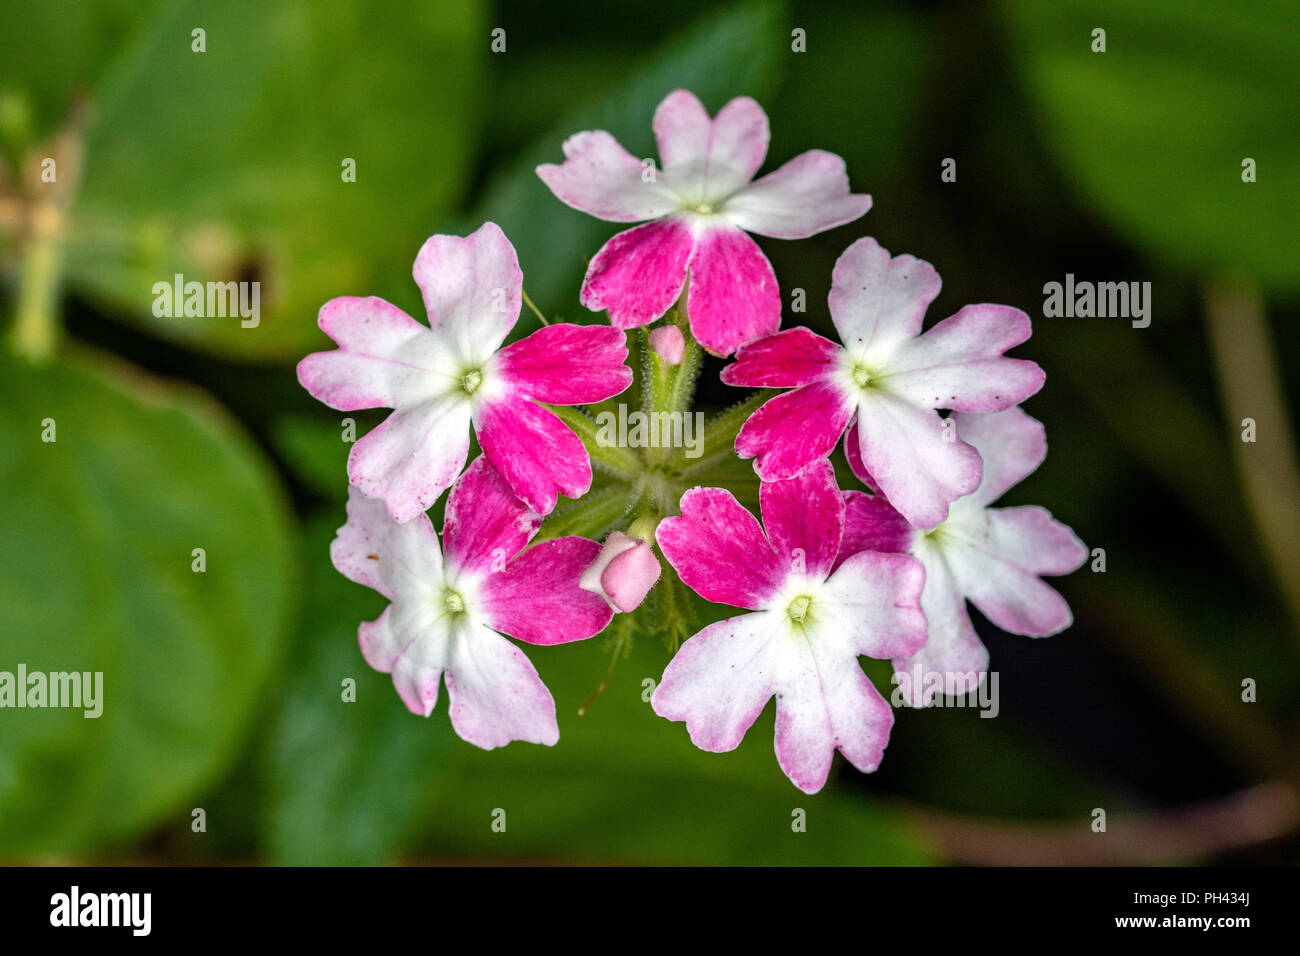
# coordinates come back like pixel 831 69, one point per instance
pixel 861 376
pixel 470 381
pixel 453 602
pixel 798 609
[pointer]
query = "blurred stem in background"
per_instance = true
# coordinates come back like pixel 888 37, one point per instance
pixel 42 209
pixel 1255 815
pixel 1244 354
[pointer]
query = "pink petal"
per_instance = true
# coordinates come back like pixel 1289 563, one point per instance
pixel 639 274
pixel 384 358
pixel 953 660
pixel 877 302
pixel 804 518
pixel 601 178
pixel 793 430
pixel 534 451
pixel 789 358
pixel 999 570
pixel 413 455
pixel 807 195
pixel 669 344
pixel 1011 443
pixel 720 680
pixel 536 598
pixel 710 160
pixel 567 364
pixel 826 703
pixel 733 297
pixel 872 524
pixel 486 524
pixel 496 695
pixel 873 601
pixel 959 364
pixel 471 288
pixel 853 452
pixel 374 550
pixel 904 449
pixel 719 550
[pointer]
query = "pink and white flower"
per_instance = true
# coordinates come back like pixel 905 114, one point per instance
pixel 451 604
pixel 887 378
pixel 994 557
pixel 815 610
pixel 441 377
pixel 701 205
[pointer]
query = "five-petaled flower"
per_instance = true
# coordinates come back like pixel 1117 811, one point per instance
pixel 449 603
pixel 816 608
pixel 887 380
pixel 438 378
pixel 992 556
pixel 702 203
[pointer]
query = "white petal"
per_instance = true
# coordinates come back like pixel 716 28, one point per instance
pixel 807 195
pixel 496 695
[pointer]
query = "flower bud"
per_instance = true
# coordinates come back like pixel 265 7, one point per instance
pixel 623 572
pixel 668 343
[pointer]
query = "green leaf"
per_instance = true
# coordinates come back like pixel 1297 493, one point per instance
pixel 47 61
pixel 96 575
pixel 882 48
pixel 738 51
pixel 1153 131
pixel 226 165
pixel 347 781
pixel 317 451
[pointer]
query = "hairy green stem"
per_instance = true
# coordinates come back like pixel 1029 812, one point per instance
pixel 621 462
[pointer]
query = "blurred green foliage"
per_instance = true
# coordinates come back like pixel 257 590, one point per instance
pixel 213 164
pixel 739 48
pixel 1155 130
pixel 100 525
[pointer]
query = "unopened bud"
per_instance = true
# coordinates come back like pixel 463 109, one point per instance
pixel 623 573
pixel 669 344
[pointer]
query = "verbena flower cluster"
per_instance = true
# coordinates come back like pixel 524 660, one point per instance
pixel 826 576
